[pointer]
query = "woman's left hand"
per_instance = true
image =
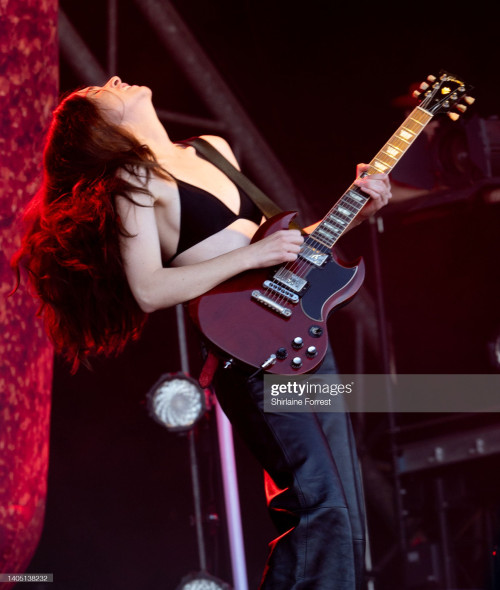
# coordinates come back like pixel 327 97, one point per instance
pixel 377 186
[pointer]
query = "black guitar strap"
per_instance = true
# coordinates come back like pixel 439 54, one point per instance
pixel 263 202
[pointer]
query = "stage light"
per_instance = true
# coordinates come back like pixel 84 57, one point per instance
pixel 202 581
pixel 176 401
pixel 494 350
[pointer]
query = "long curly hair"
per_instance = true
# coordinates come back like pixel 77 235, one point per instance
pixel 71 245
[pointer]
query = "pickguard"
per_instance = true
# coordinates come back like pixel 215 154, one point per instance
pixel 325 283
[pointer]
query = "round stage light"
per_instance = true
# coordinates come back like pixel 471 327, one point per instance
pixel 202 581
pixel 176 401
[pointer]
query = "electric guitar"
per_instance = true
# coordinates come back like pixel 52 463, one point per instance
pixel 275 318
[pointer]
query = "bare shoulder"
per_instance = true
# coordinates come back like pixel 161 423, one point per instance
pixel 158 189
pixel 223 146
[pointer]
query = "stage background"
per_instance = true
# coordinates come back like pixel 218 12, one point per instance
pixel 318 81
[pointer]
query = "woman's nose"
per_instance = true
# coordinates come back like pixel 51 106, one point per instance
pixel 113 82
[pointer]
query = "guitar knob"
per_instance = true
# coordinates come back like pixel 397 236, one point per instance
pixel 311 352
pixel 296 362
pixel 297 342
pixel 281 353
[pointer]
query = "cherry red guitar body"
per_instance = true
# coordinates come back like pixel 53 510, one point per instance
pixel 248 331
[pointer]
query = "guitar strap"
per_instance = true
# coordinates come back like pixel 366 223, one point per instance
pixel 263 202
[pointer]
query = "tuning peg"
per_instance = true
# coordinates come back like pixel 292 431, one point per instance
pixel 470 100
pixel 415 93
pixel 431 79
pixel 424 86
pixel 461 107
pixel 453 116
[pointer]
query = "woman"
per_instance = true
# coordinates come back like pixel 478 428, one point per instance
pixel 128 222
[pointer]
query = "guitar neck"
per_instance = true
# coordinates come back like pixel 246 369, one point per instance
pixel 345 210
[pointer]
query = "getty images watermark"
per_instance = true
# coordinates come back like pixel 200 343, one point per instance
pixel 382 393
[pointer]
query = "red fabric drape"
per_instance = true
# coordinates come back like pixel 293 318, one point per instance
pixel 28 94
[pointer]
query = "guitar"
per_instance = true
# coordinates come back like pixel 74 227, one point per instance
pixel 275 318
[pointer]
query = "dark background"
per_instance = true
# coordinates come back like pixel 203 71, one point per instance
pixel 318 80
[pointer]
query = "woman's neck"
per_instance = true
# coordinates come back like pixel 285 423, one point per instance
pixel 151 132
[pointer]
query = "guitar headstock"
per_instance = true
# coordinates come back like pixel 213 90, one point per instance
pixel 444 94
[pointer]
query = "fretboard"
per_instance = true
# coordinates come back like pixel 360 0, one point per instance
pixel 345 210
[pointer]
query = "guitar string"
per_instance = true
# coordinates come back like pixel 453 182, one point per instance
pixel 418 116
pixel 301 265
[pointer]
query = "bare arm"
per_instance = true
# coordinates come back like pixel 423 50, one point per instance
pixel 156 287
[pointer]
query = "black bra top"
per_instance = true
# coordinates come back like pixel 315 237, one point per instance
pixel 203 215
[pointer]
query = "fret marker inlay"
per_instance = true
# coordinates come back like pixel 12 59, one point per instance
pixel 380 166
pixel 392 151
pixel 354 195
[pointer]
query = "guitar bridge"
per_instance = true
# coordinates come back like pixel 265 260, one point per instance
pixel 268 302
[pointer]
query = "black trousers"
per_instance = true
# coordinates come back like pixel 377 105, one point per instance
pixel 312 485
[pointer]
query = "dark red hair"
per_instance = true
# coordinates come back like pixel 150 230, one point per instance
pixel 71 247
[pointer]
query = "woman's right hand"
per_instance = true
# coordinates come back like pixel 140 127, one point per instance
pixel 277 248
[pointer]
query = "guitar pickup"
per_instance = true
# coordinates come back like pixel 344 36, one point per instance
pixel 290 280
pixel 313 255
pixel 279 290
